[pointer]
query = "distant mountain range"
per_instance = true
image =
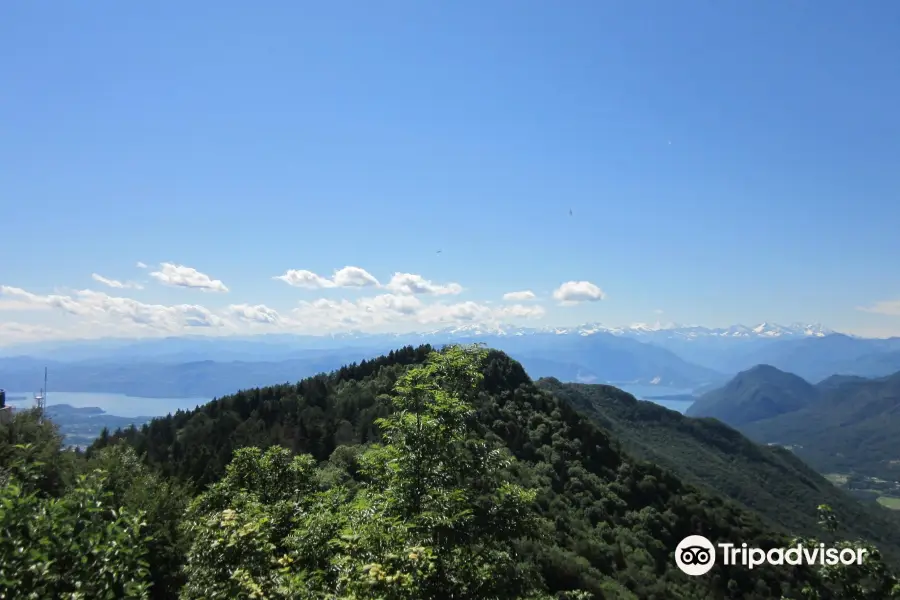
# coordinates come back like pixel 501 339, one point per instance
pixel 669 356
pixel 844 424
pixel 269 344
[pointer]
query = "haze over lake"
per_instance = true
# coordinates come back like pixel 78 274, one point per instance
pixel 645 392
pixel 122 405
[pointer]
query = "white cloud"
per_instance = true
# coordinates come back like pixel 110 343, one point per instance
pixel 346 277
pixel 573 292
pixel 90 313
pixel 467 312
pixel 15 333
pixel 519 296
pixel 305 279
pixel 17 299
pixel 259 313
pixel 369 312
pixel 400 312
pixel 181 276
pixel 354 277
pixel 101 308
pixel 475 312
pixel 885 307
pixel 156 316
pixel 26 299
pixel 411 284
pixel 404 305
pixel 141 265
pixel 522 311
pixel 408 284
pixel 113 283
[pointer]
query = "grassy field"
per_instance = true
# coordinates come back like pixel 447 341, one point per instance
pixel 836 479
pixel 889 502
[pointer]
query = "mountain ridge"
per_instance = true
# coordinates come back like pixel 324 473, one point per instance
pixel 844 426
pixel 758 393
pixel 765 330
pixel 610 520
pixel 767 479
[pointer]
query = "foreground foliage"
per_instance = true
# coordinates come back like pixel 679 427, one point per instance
pixel 417 475
pixel 75 546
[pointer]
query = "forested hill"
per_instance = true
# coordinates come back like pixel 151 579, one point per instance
pixel 610 523
pixel 768 479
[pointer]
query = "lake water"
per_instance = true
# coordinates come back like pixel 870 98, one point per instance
pixel 119 405
pixel 642 392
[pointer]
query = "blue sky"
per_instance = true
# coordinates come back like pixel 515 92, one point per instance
pixel 724 162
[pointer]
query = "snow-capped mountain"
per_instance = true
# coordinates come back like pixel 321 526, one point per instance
pixel 763 330
pixel 644 331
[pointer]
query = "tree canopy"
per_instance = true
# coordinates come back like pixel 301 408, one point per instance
pixel 421 474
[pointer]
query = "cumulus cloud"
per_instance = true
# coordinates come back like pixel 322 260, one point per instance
pixel 114 283
pixel 259 313
pixel 305 279
pixel 13 298
pixel 346 277
pixel 403 305
pixel 411 284
pixel 100 307
pixel 466 312
pixel 574 292
pixel 369 312
pixel 474 312
pixel 408 284
pixel 885 307
pixel 354 277
pixel 413 302
pixel 522 311
pixel 181 276
pixel 27 300
pixel 141 265
pixel 157 316
pixel 401 311
pixel 519 296
pixel 14 333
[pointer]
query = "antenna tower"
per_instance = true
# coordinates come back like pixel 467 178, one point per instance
pixel 40 399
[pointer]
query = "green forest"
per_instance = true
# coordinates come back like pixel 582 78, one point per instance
pixel 421 474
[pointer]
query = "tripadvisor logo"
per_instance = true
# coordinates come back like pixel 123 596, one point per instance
pixel 696 555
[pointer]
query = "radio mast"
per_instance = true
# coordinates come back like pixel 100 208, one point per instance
pixel 40 399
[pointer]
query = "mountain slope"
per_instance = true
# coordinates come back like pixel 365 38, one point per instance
pixel 612 521
pixel 758 393
pixel 767 479
pixel 854 428
pixel 845 424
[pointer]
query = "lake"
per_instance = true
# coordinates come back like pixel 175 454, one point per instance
pixel 642 391
pixel 119 405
